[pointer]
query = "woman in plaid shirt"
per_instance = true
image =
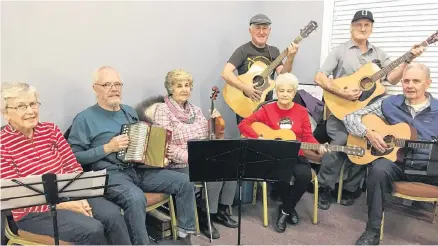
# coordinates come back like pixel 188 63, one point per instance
pixel 186 121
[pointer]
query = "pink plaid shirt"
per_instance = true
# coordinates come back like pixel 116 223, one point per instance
pixel 181 132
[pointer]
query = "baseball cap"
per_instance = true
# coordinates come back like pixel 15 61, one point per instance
pixel 260 19
pixel 363 14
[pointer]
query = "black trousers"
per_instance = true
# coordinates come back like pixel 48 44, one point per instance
pixel 107 226
pixel 381 176
pixel 291 194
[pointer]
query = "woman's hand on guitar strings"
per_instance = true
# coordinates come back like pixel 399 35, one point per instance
pixel 376 140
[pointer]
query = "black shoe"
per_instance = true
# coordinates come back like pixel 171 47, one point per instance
pixel 204 229
pixel 347 198
pixel 369 237
pixel 203 225
pixel 280 225
pixel 184 240
pixel 293 218
pixel 324 198
pixel 223 218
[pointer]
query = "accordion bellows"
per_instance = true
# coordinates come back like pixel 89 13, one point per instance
pixel 147 145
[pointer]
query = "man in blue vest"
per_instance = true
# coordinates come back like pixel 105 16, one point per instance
pixel 417 108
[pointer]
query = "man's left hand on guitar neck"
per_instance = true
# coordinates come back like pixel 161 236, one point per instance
pixel 416 50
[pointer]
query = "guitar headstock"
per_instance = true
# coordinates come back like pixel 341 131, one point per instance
pixel 432 39
pixel 354 150
pixel 214 93
pixel 308 29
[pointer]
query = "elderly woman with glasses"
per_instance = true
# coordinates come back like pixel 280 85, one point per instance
pixel 186 122
pixel 29 147
pixel 285 114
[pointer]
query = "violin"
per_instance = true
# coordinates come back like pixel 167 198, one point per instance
pixel 217 124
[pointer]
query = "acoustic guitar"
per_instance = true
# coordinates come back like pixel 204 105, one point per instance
pixel 368 80
pixel 259 77
pixel 395 136
pixel 266 132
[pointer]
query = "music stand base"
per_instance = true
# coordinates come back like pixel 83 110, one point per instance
pixel 239 212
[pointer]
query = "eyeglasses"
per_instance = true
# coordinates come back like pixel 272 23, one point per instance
pixel 109 85
pixel 23 107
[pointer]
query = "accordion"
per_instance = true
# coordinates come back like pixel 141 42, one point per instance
pixel 147 145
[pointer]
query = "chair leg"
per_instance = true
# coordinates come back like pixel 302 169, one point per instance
pixel 315 201
pixel 198 231
pixel 435 212
pixel 254 193
pixel 208 210
pixel 265 204
pixel 341 182
pixel 381 226
pixel 173 218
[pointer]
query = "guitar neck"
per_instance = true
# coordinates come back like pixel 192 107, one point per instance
pixel 402 143
pixel 277 61
pixel 336 148
pixel 384 71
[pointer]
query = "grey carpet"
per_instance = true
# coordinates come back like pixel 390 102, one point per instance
pixel 339 225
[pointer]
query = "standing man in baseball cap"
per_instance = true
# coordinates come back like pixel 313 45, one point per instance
pixel 256 50
pixel 343 60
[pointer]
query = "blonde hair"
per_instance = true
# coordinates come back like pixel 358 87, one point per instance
pixel 15 89
pixel 174 76
pixel 287 79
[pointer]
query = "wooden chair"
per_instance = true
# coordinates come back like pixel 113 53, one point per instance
pixel 415 191
pixel 154 200
pixel 265 199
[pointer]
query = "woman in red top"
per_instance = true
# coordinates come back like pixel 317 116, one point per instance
pixel 29 147
pixel 285 114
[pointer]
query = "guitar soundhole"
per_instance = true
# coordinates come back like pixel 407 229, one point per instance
pixel 368 87
pixel 389 140
pixel 366 84
pixel 258 81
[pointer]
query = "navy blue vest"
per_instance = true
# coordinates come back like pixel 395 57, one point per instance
pixel 426 123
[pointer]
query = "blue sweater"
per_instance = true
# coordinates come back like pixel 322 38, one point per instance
pixel 94 127
pixel 395 111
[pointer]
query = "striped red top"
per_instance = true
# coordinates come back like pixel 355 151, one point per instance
pixel 46 152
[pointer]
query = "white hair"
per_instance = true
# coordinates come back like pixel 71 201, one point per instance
pixel 15 89
pixel 287 79
pixel 96 73
pixel 420 66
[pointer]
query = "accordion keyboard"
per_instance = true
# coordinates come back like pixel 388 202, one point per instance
pixel 137 133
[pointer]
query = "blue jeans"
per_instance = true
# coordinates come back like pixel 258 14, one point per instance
pixel 129 194
pixel 105 227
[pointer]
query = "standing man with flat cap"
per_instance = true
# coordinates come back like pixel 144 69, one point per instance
pixel 256 50
pixel 343 60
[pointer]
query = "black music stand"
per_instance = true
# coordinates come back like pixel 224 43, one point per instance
pixel 52 189
pixel 432 162
pixel 242 159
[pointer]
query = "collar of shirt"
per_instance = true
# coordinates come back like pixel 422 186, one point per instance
pixel 352 44
pixel 412 109
pixel 9 129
